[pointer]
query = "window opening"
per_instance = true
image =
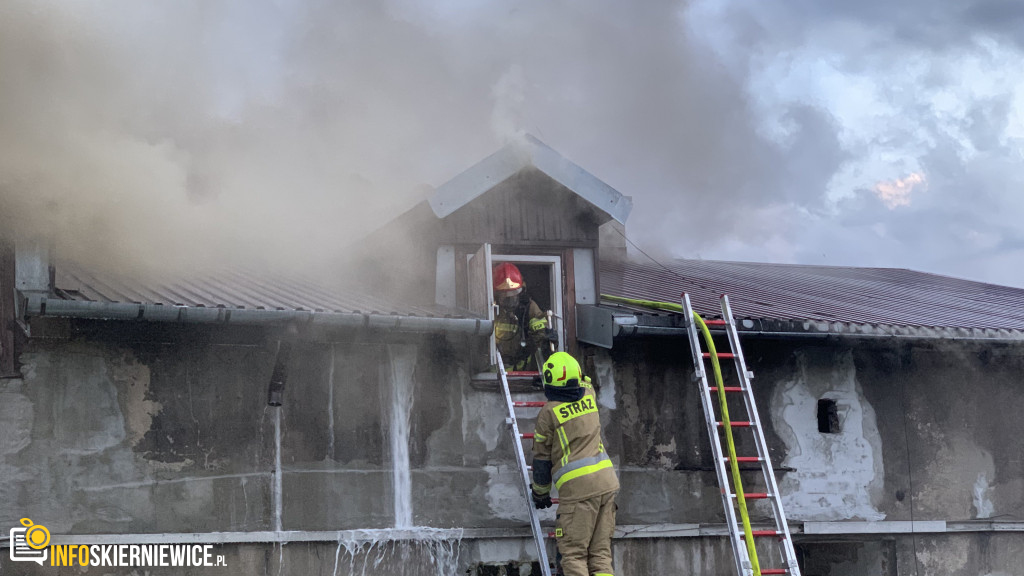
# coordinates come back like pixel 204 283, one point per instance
pixel 542 278
pixel 828 416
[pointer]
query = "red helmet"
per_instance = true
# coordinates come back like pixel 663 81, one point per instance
pixel 507 277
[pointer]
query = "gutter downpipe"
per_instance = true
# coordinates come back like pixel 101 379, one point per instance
pixel 55 307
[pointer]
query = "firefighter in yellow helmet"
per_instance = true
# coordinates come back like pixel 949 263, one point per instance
pixel 568 453
pixel 520 328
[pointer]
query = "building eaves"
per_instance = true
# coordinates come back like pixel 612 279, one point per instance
pixel 630 323
pixel 238 297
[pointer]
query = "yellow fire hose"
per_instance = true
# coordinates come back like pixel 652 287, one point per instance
pixel 734 465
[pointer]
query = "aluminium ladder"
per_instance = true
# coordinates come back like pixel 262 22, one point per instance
pixel 524 468
pixel 733 496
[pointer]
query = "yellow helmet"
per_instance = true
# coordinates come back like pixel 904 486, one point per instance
pixel 561 370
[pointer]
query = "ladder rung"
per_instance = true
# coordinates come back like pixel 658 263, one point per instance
pixel 745 459
pixel 715 322
pixel 753 495
pixel 522 373
pixel 727 388
pixel 528 435
pixel 774 571
pixel 519 404
pixel 720 355
pixel 737 424
pixel 759 533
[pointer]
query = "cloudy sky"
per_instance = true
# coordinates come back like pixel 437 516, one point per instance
pixel 817 132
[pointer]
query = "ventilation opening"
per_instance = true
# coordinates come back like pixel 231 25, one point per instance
pixel 828 416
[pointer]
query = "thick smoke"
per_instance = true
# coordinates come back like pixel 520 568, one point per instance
pixel 271 133
pixel 187 134
pixel 184 136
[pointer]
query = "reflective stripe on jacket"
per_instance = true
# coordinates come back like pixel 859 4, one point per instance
pixel 568 435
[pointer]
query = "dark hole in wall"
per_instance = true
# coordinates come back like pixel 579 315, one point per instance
pixel 828 416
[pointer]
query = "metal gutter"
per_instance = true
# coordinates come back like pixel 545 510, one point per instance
pixel 55 307
pixel 632 326
pixel 665 319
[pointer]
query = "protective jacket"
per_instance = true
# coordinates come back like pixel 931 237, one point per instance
pixel 567 449
pixel 518 332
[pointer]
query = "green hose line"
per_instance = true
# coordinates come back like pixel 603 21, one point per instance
pixel 667 306
pixel 733 464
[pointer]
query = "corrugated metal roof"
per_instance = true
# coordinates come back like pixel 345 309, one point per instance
pixel 799 293
pixel 233 290
pixel 868 296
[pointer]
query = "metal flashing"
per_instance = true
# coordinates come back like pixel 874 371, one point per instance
pixel 486 174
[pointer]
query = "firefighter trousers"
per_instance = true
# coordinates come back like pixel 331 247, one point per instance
pixel 584 534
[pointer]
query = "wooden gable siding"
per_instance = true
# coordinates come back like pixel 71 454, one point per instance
pixel 528 209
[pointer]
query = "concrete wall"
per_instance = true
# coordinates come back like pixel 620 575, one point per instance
pixel 108 435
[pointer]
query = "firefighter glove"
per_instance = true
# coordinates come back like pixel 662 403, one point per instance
pixel 541 501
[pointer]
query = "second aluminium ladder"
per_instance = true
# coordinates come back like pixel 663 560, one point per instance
pixel 524 468
pixel 734 498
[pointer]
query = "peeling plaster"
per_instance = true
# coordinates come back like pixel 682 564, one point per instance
pixel 836 476
pixel 605 374
pixel 982 503
pixel 507 499
pixel 948 558
pixel 666 454
pixel 630 411
pixel 957 479
pixel 89 415
pixel 133 380
pixel 16 417
pixel 485 429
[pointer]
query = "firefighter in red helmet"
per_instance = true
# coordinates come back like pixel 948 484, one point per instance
pixel 520 328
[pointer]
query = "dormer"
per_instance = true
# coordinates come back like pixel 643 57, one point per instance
pixel 524 204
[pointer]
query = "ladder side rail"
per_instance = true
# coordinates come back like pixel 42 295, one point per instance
pixel 740 556
pixel 538 535
pixel 764 460
pixel 749 402
pixel 782 526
